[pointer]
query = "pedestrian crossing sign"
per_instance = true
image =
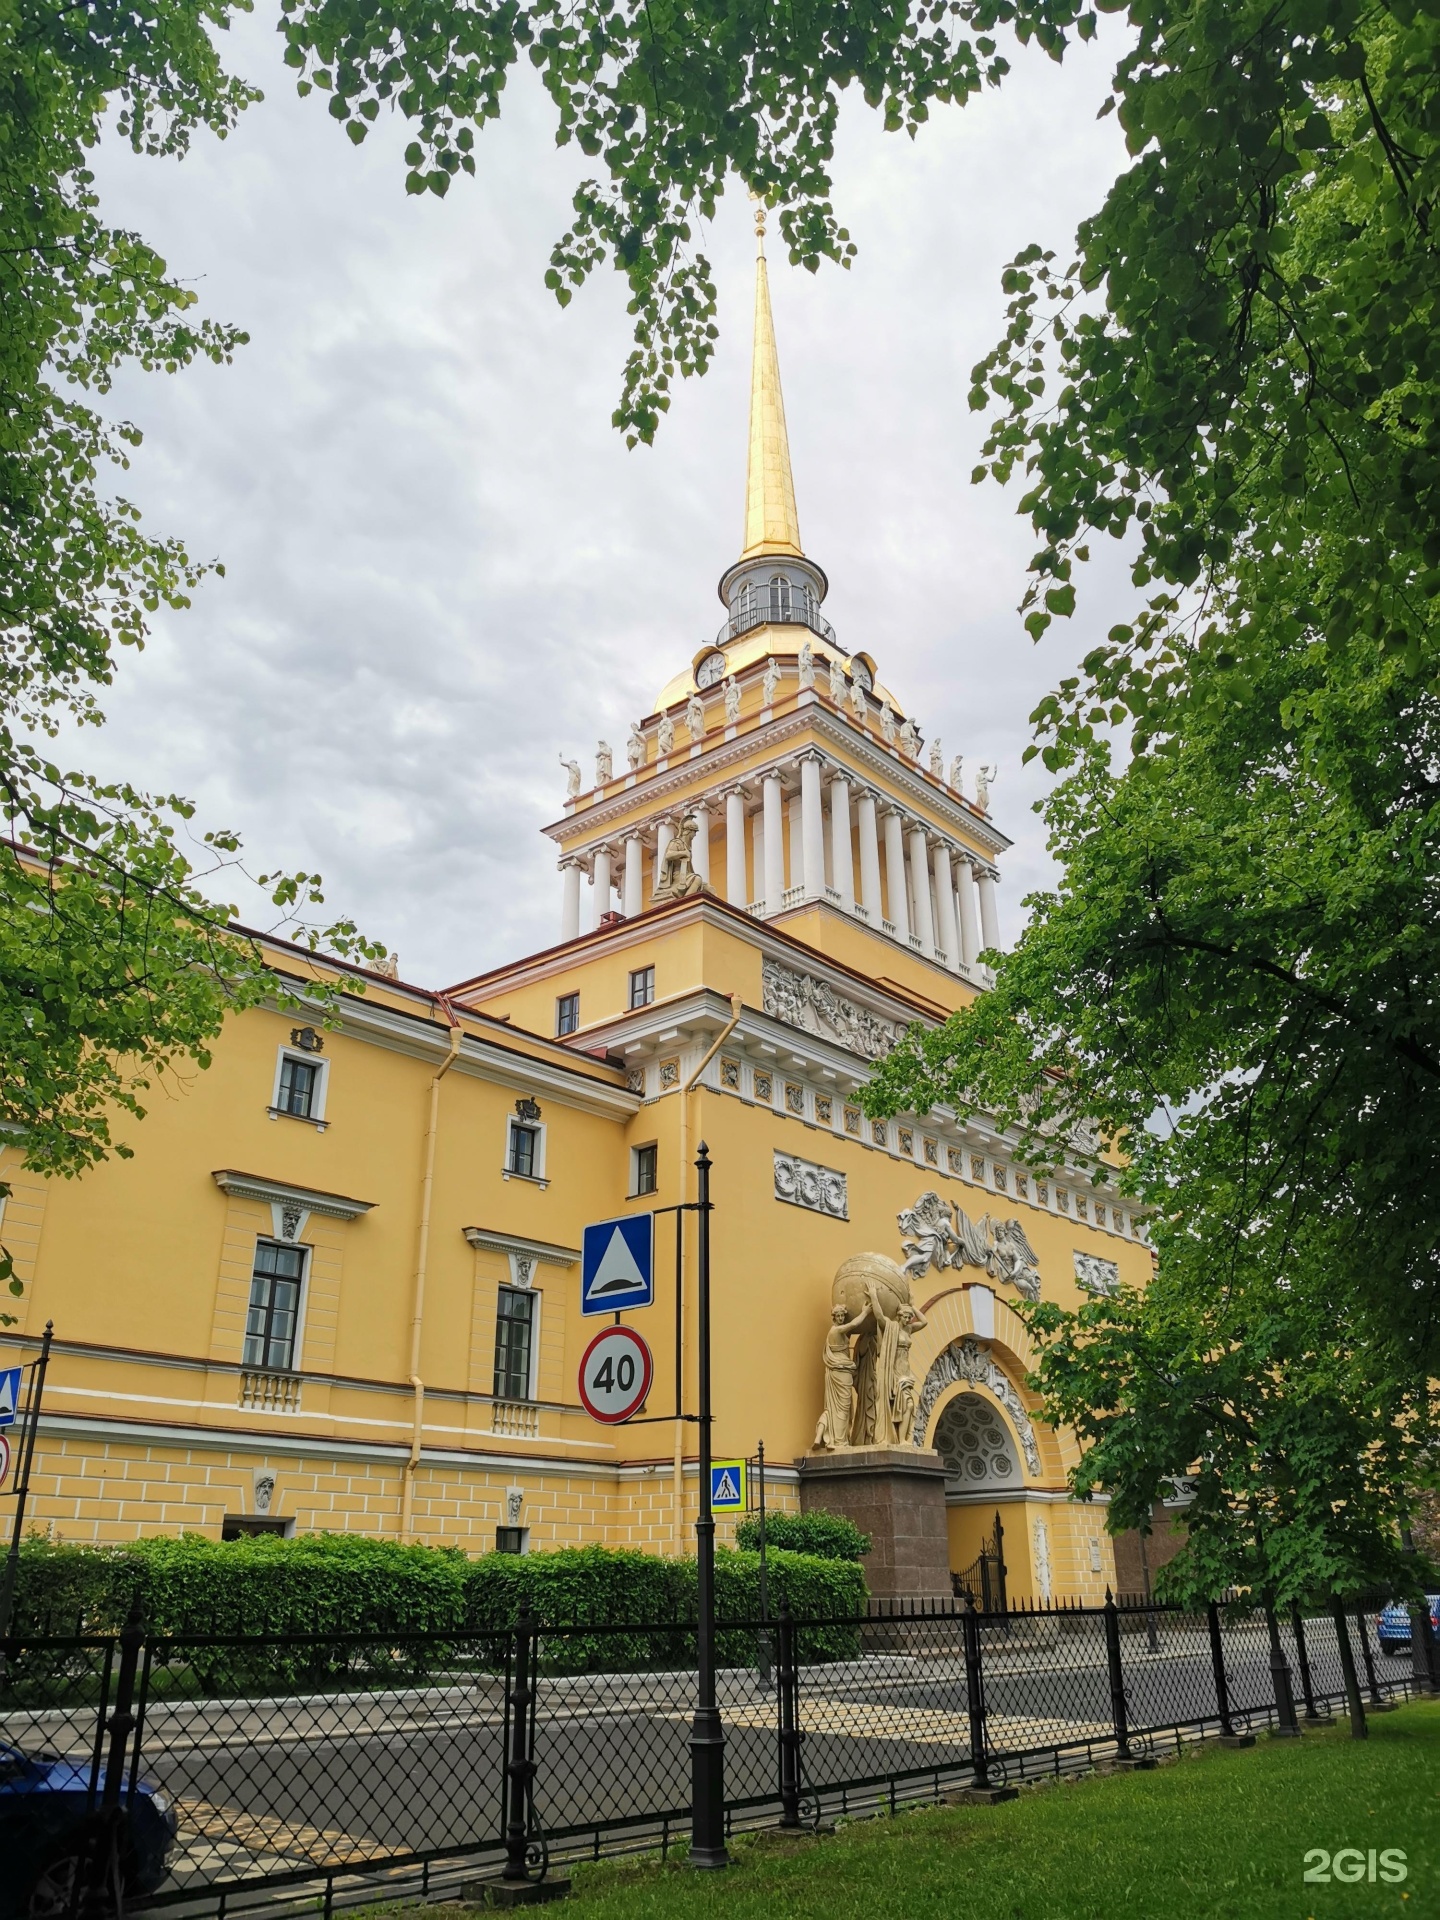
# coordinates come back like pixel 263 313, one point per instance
pixel 727 1486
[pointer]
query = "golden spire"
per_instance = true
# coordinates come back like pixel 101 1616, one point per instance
pixel 771 522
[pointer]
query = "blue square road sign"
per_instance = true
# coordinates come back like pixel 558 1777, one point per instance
pixel 727 1486
pixel 9 1395
pixel 617 1264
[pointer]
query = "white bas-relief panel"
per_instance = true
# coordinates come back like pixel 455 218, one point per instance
pixel 800 1183
pixel 933 1236
pixel 1094 1274
pixel 966 1362
pixel 801 1000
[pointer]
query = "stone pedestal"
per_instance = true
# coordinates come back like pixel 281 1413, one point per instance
pixel 897 1496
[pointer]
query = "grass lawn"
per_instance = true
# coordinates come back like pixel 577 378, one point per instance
pixel 1216 1835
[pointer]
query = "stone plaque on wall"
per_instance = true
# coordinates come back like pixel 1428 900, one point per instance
pixel 800 1183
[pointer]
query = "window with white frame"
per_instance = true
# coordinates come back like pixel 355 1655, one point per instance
pixel 642 986
pixel 644 1169
pixel 567 1014
pixel 515 1316
pixel 300 1083
pixel 272 1322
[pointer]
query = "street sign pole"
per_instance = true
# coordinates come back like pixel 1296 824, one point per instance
pixel 707 1736
pixel 26 1453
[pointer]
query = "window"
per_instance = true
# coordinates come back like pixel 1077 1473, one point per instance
pixel 298 1086
pixel 244 1526
pixel 514 1343
pixel 512 1539
pixel 644 1169
pixel 779 597
pixel 524 1150
pixel 567 1013
pixel 274 1317
pixel 642 986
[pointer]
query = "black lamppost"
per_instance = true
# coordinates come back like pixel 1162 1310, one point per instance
pixel 707 1736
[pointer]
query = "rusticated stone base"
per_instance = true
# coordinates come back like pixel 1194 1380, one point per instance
pixel 897 1496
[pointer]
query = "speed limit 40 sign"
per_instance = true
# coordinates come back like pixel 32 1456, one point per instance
pixel 615 1375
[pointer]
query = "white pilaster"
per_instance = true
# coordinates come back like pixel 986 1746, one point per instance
pixel 664 834
pixel 870 896
pixel 570 909
pixel 920 884
pixel 700 851
pixel 899 914
pixel 965 892
pixel 945 906
pixel 774 844
pixel 989 917
pixel 842 860
pixel 796 827
pixel 633 885
pixel 601 902
pixel 736 890
pixel 812 826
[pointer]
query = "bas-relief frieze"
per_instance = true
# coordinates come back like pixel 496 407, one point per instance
pixel 1096 1275
pixel 811 1004
pixel 966 1362
pixel 800 1183
pixel 933 1234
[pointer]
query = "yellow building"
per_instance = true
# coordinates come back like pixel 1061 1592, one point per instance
pixel 338 1285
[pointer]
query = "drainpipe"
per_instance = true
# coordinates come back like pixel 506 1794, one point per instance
pixel 737 1007
pixel 422 1255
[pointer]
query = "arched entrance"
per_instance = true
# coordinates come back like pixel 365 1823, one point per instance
pixel 975 1447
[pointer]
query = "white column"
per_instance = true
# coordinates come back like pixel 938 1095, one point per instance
pixel 920 882
pixel 633 886
pixel 989 918
pixel 570 911
pixel 945 906
pixel 774 844
pixel 757 858
pixel 700 851
pixel 737 891
pixel 869 857
pixel 797 841
pixel 899 913
pixel 842 860
pixel 965 892
pixel 602 883
pixel 812 826
pixel 664 834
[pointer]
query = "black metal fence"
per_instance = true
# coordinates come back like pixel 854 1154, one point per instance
pixel 358 1768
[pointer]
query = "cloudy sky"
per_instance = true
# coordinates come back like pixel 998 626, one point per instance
pixel 443 567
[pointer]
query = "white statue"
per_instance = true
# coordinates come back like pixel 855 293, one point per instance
pixel 695 718
pixel 604 763
pixel 909 739
pixel 858 703
pixel 732 700
pixel 837 680
pixel 572 777
pixel 957 773
pixel 937 759
pixel 982 787
pixel 872 1302
pixel 807 664
pixel 770 685
pixel 833 1427
pixel 635 747
pixel 677 878
pixel 389 967
pixel 664 735
pixel 887 723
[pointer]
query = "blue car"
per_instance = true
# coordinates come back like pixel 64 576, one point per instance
pixel 1394 1626
pixel 45 1812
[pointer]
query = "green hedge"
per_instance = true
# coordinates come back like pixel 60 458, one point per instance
pixel 829 1536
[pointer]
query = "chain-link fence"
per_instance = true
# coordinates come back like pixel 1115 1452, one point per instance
pixel 206 1775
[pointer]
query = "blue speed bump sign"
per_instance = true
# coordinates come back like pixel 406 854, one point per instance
pixel 9 1395
pixel 617 1264
pixel 727 1486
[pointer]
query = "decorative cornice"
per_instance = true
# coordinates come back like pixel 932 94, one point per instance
pixel 255 1186
pixel 490 1240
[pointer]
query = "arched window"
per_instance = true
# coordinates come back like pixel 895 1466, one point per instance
pixel 975 1446
pixel 779 597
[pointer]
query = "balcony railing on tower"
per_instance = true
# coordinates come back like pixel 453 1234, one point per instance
pixel 776 605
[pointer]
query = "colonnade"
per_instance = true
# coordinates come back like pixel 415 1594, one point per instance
pixel 912 883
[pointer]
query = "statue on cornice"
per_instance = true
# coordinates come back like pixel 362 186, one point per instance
pixel 572 777
pixel 982 787
pixel 807 664
pixel 695 718
pixel 910 740
pixel 635 747
pixel 837 680
pixel 677 878
pixel 664 736
pixel 732 700
pixel 887 722
pixel 770 685
pixel 604 763
pixel 859 705
pixel 957 774
pixel 937 759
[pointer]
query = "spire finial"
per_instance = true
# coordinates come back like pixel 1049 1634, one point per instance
pixel 771 522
